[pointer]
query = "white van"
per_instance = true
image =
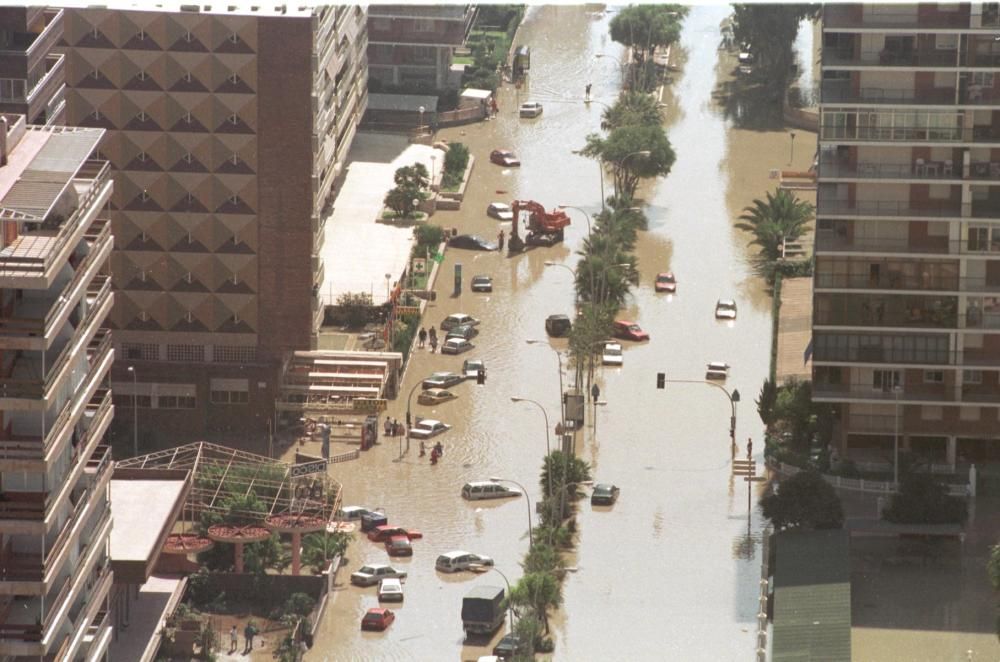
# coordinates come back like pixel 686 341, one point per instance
pixel 488 490
pixel 460 560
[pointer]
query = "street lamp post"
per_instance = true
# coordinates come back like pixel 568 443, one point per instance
pixel 409 400
pixel 586 215
pixel 548 448
pixel 135 413
pixel 510 607
pixel 420 129
pixel 791 153
pixel 433 169
pixel 621 67
pixel 497 479
pixel 559 360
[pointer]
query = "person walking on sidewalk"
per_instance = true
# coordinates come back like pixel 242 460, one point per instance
pixel 233 640
pixel 421 337
pixel 500 238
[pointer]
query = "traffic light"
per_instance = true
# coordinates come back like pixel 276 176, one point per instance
pixel 661 379
pixel 481 377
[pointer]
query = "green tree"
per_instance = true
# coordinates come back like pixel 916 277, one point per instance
pixel 804 501
pixel 766 402
pixel 606 272
pixel 780 217
pixel 543 557
pixel 624 151
pixel 923 500
pixel 320 548
pixel 770 31
pixel 632 109
pixel 411 184
pixel 645 28
pixel 538 591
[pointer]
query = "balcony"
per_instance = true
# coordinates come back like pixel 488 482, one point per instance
pixel 33 259
pixel 889 424
pixel 831 241
pixel 939 170
pixel 928 57
pixel 31 382
pixel 900 281
pixel 910 394
pixel 906 312
pixel 854 16
pixel 877 354
pixel 843 92
pixel 30 47
pixel 902 208
pixel 45 89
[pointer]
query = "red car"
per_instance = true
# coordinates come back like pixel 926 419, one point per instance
pixel 666 282
pixel 629 331
pixel 384 532
pixel 504 157
pixel 377 619
pixel 399 546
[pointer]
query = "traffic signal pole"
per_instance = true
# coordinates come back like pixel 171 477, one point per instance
pixel 734 397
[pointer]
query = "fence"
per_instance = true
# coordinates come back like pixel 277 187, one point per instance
pixel 765 585
pixel 862 485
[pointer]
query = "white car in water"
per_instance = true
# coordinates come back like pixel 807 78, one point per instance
pixel 612 354
pixel 369 575
pixel 427 428
pixel 725 309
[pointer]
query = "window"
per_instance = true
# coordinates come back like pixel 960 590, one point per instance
pixel 188 158
pixel 143 157
pixel 144 196
pixel 968 413
pixel 972 376
pixel 885 380
pixel 229 391
pixel 948 42
pixel 186 353
pixel 140 351
pixel 142 116
pixel 423 25
pixel 933 377
pixel 12 88
pixel 187 77
pixel 188 37
pixel 234 79
pixel 929 413
pixel 234 119
pixel 175 402
pixel 142 75
pixel 984 78
pixel 234 354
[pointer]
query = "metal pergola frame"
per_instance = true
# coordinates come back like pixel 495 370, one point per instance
pixel 219 472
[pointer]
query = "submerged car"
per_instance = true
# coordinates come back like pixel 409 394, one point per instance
pixel 461 560
pixel 427 428
pixel 482 284
pixel 604 494
pixel 725 309
pixel 435 396
pixel 612 354
pixel 471 242
pixel 665 282
pixel 377 619
pixel 398 546
pixel 456 346
pixel 384 532
pixel 629 330
pixel 442 380
pixel 558 326
pixel 369 575
pixel 471 367
pixel 509 646
pixel 500 211
pixel 390 590
pixel 458 319
pixel 349 513
pixel 504 157
pixel 463 331
pixel 718 370
pixel 530 109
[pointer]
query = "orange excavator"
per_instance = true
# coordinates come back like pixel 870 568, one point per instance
pixel 542 228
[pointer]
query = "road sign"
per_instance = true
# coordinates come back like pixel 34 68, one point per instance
pixel 744 468
pixel 308 468
pixel 407 310
pixel 370 405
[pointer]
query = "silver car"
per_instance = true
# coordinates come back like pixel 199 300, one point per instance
pixel 369 575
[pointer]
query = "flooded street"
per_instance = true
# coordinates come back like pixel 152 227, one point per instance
pixel 670 572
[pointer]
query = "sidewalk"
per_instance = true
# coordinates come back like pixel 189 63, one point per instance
pixel 794 330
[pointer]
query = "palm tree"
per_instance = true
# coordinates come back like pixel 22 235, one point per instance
pixel 538 591
pixel 781 217
pixel 319 548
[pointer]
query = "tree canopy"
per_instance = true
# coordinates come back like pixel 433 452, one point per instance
pixel 770 30
pixel 646 27
pixel 804 501
pixel 923 500
pixel 632 108
pixel 624 149
pixel 411 181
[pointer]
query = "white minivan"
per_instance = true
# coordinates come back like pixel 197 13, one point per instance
pixel 488 490
pixel 460 560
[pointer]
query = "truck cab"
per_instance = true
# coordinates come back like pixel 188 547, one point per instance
pixel 482 610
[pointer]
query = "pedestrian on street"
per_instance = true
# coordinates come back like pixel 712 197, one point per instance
pixel 421 337
pixel 494 107
pixel 434 344
pixel 588 92
pixel 500 239
pixel 749 448
pixel 248 633
pixel 233 640
pixel 388 426
pixel 397 429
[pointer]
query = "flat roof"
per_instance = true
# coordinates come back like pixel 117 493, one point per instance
pixel 357 251
pixel 812 596
pixel 141 509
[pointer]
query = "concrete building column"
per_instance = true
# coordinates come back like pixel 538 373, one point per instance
pixel 952 444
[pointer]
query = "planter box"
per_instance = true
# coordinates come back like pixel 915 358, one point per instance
pixel 445 196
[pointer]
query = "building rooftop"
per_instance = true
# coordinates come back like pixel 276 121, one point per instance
pixel 232 7
pixel 442 12
pixel 40 168
pixel 402 102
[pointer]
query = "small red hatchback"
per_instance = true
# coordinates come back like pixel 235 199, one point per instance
pixel 399 546
pixel 629 331
pixel 377 619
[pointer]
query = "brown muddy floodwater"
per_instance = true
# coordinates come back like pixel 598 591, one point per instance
pixel 672 570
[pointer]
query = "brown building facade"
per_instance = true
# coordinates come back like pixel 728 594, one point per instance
pixel 225 131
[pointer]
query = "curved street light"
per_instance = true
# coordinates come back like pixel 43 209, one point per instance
pixel 506 581
pixel 497 479
pixel 559 360
pixel 548 448
pixel 734 397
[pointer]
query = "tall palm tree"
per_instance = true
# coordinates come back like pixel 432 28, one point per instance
pixel 539 591
pixel 781 217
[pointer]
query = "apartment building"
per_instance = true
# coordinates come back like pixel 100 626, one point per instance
pixel 32 80
pixel 227 127
pixel 906 317
pixel 411 45
pixel 55 406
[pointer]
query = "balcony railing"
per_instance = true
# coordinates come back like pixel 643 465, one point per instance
pixel 913 170
pixel 840 207
pixel 837 92
pixel 900 281
pixel 855 16
pixel 865 391
pixel 98 290
pixel 903 356
pixel 910 134
pixel 894 313
pixel 930 57
pixel 92 177
pixel 832 241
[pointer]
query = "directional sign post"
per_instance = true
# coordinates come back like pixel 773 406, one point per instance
pixel 747 469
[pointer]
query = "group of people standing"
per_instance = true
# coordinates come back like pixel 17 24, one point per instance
pixel 393 428
pixel 424 336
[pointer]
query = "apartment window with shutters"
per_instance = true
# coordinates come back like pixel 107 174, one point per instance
pixel 972 376
pixel 885 380
pixel 933 377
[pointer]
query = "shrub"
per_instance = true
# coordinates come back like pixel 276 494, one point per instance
pixel 923 500
pixel 804 501
pixel 457 158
